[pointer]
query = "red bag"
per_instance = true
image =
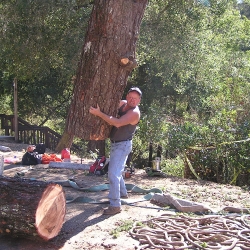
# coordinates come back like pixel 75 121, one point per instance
pixel 99 167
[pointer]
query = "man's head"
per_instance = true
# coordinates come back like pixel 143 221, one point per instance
pixel 134 97
pixel 135 89
pixel 31 148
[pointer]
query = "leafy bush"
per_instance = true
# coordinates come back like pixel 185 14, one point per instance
pixel 173 167
pixel 222 139
pixel 227 159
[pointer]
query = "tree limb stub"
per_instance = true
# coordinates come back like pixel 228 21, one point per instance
pixel 124 61
pixel 129 63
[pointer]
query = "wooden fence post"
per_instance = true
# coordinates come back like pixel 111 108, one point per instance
pixel 15 111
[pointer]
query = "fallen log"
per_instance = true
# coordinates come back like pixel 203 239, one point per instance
pixel 31 209
pixel 69 165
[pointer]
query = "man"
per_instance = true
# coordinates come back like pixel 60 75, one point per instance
pixel 31 157
pixel 123 130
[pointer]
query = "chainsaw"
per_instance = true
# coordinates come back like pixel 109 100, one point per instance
pixel 155 170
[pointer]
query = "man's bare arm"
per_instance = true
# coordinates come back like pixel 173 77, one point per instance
pixel 131 117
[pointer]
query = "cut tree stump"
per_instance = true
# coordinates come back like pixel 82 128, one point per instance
pixel 31 209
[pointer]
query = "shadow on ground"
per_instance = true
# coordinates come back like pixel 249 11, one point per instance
pixel 70 228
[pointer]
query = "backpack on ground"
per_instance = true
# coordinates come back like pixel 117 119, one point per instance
pixel 100 166
pixel 40 148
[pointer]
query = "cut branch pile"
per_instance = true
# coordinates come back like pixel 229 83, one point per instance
pixel 183 232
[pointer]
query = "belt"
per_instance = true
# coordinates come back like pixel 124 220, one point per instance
pixel 120 141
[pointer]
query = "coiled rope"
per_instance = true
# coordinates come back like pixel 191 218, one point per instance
pixel 185 232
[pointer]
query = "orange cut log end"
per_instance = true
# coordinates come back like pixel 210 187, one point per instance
pixel 50 212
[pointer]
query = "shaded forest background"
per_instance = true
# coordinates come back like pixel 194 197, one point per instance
pixel 193 68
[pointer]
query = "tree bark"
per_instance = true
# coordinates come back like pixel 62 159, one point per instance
pixel 107 59
pixel 97 147
pixel 65 141
pixel 31 209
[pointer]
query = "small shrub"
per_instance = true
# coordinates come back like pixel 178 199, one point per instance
pixel 124 226
pixel 173 167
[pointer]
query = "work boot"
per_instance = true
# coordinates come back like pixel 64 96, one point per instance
pixel 112 210
pixel 124 196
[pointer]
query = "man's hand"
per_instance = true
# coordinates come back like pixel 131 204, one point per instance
pixel 95 111
pixel 131 117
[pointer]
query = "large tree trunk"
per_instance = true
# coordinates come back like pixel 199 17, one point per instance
pixel 31 209
pixel 97 147
pixel 107 59
pixel 65 142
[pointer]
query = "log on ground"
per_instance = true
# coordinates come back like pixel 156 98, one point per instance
pixel 69 165
pixel 31 209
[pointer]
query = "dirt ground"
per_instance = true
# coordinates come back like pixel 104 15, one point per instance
pixel 86 228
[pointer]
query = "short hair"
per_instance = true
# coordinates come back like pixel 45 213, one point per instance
pixel 31 146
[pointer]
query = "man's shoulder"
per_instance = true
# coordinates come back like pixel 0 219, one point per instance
pixel 136 109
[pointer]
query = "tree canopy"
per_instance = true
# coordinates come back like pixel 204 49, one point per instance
pixel 40 46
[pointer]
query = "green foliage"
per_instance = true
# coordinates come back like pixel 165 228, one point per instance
pixel 40 46
pixel 5 108
pixel 220 146
pixel 173 167
pixel 187 51
pixel 40 35
pixel 227 162
pixel 222 127
pixel 123 226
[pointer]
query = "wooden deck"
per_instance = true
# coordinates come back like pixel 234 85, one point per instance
pixel 31 134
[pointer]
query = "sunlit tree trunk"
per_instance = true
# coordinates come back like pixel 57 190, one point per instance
pixel 107 59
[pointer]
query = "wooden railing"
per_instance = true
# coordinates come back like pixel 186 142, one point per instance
pixel 32 134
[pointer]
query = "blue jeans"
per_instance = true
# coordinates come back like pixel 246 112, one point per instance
pixel 118 156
